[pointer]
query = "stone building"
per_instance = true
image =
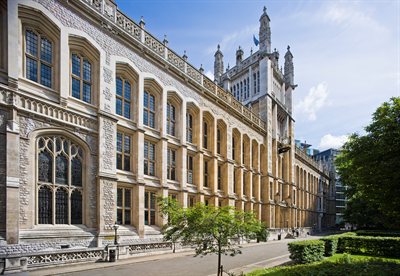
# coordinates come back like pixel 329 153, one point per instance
pixel 98 118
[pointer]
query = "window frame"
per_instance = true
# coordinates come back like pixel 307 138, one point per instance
pixel 40 35
pixel 124 208
pixel 147 207
pixel 50 145
pixel 122 97
pixel 189 168
pixel 147 110
pixel 171 119
pixel 82 57
pixel 147 160
pixel 122 153
pixel 205 174
pixel 171 164
pixel 205 135
pixel 189 127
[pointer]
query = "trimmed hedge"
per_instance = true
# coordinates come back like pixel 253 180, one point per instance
pixel 331 244
pixel 372 246
pixel 377 233
pixel 307 251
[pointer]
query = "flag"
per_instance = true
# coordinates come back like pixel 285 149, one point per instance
pixel 255 40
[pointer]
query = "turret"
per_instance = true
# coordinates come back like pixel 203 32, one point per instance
pixel 265 32
pixel 239 56
pixel 289 68
pixel 218 64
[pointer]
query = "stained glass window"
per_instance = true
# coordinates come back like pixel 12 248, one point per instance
pixel 60 169
pixel 38 60
pixel 45 205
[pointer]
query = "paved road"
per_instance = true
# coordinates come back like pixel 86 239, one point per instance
pixel 194 266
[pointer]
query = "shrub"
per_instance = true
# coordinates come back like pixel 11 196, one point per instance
pixel 331 243
pixel 372 246
pixel 377 233
pixel 307 251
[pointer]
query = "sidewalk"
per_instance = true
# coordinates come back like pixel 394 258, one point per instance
pixel 68 268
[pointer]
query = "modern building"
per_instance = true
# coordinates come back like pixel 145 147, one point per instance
pixel 327 160
pixel 98 118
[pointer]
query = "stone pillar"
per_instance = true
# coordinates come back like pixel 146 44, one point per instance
pixel 12 179
pixel 138 208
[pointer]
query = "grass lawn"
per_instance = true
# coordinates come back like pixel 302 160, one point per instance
pixel 339 264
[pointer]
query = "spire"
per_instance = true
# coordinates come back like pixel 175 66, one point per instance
pixel 289 68
pixel 239 56
pixel 218 64
pixel 265 32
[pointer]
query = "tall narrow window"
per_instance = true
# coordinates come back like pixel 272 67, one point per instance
pixel 245 88
pixel 123 151
pixel 123 97
pixel 38 58
pixel 190 169
pixel 243 152
pixel 244 183
pixel 205 175
pixel 205 135
pixel 248 87
pixel 81 78
pixel 59 169
pixel 234 181
pixel 171 164
pixel 189 127
pixel 219 141
pixel 241 91
pixel 271 192
pixel 149 158
pixel 171 123
pixel 149 208
pixel 233 148
pixel 258 82
pixel 191 201
pixel 124 198
pixel 149 110
pixel 255 83
pixel 219 177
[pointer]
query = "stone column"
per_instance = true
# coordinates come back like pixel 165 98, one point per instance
pixel 12 179
pixel 138 208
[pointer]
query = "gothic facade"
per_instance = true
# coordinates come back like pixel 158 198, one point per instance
pixel 98 118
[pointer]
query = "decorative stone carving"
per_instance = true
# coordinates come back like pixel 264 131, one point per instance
pixel 107 75
pixel 108 144
pixel 109 202
pixel 107 94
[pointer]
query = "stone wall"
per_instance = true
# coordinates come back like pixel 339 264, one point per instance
pixel 3 122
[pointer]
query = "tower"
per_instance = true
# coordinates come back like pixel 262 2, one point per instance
pixel 218 64
pixel 289 68
pixel 265 32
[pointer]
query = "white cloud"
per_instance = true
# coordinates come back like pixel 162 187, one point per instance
pixel 350 15
pixel 210 75
pixel 230 42
pixel 329 141
pixel 314 101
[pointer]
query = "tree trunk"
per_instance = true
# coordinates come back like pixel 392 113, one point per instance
pixel 219 260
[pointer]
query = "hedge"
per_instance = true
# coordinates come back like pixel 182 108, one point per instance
pixel 331 244
pixel 377 233
pixel 307 251
pixel 372 246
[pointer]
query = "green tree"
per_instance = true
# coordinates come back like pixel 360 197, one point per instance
pixel 369 165
pixel 209 229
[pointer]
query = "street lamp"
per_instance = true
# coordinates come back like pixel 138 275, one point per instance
pixel 115 227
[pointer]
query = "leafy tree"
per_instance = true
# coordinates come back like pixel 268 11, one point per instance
pixel 370 166
pixel 209 229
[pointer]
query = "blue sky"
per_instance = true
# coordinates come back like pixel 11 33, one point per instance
pixel 346 53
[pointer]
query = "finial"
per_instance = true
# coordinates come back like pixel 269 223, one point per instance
pixel 228 67
pixel 184 55
pixel 288 48
pixel 218 47
pixel 165 41
pixel 201 69
pixel 142 23
pixel 251 51
pixel 265 9
pixel 274 49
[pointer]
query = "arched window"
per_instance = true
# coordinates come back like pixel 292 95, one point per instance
pixel 149 109
pixel 189 127
pixel 59 181
pixel 38 58
pixel 123 97
pixel 171 119
pixel 81 77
